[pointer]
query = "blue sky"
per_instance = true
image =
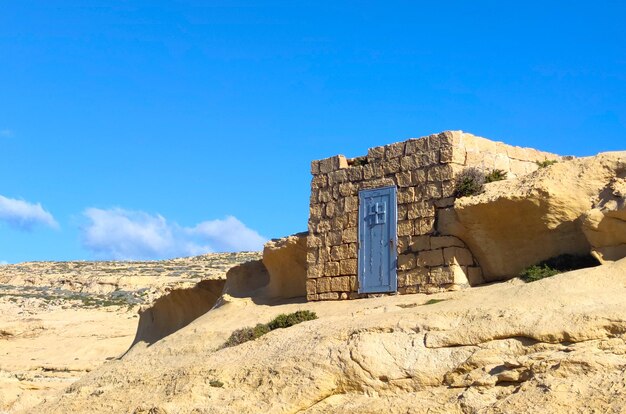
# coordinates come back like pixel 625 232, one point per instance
pixel 161 129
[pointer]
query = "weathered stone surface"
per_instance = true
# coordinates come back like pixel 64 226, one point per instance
pixel 430 258
pixel 286 262
pixel 605 225
pixel 518 223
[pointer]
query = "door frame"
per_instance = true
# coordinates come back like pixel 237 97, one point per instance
pixel 392 214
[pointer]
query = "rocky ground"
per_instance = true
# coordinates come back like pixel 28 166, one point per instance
pixel 555 345
pixel 60 320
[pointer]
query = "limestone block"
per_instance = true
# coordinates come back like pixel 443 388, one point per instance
pixel 375 153
pixel 425 225
pixel 446 201
pixel 433 191
pixel 325 195
pixel 420 243
pixel 440 173
pixel 394 150
pixel 405 228
pixel 406 195
pixel 430 258
pixel 319 181
pixel 330 209
pixel 340 252
pixel 458 255
pixel 372 170
pixel 348 267
pixel 420 209
pixel 391 166
pixel 333 163
pixel 429 158
pixel 340 221
pixel 347 189
pixel 446 154
pixel 402 211
pixel 312 256
pixel 311 286
pixel 459 156
pixel 404 244
pixel 406 261
pixel 419 177
pixel 502 162
pixel 351 203
pixel 376 183
pixel 416 146
pixel 355 173
pixel 328 296
pixel 311 297
pixel 440 242
pixel 331 269
pixel 323 284
pixel 340 284
pixel 410 162
pixel 349 235
pixel 416 276
pixel 315 211
pixel 333 238
pixel 353 283
pixel 315 167
pixel 441 275
pixel 475 159
pixel 336 177
pixel 313 240
pixel 434 142
pixel 404 179
pixel 323 226
pixel 315 195
pixel 447 189
pixel 315 271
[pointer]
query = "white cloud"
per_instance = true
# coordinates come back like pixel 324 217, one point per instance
pixel 6 133
pixel 124 235
pixel 23 215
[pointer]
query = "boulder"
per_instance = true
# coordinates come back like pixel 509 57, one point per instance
pixel 516 223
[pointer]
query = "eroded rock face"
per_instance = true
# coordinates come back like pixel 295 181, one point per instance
pixel 285 260
pixel 605 225
pixel 518 223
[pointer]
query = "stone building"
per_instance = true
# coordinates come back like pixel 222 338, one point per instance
pixel 373 219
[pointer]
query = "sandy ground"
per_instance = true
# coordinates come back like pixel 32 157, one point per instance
pixel 44 350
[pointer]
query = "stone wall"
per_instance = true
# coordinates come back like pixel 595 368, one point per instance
pixel 423 170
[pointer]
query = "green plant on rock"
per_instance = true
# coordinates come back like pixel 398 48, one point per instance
pixel 556 265
pixel 495 175
pixel 469 182
pixel 281 321
pixel 545 163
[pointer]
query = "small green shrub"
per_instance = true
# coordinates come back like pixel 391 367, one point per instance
pixel 281 321
pixel 433 301
pixel 469 182
pixel 545 163
pixel 495 175
pixel 285 321
pixel 216 383
pixel 556 265
pixel 537 272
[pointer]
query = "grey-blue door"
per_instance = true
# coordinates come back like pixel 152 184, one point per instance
pixel 377 240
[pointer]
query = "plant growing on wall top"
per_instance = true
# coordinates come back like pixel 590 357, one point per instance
pixel 469 182
pixel 495 175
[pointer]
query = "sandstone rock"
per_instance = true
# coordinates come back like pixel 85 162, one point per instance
pixel 557 344
pixel 285 261
pixel 518 223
